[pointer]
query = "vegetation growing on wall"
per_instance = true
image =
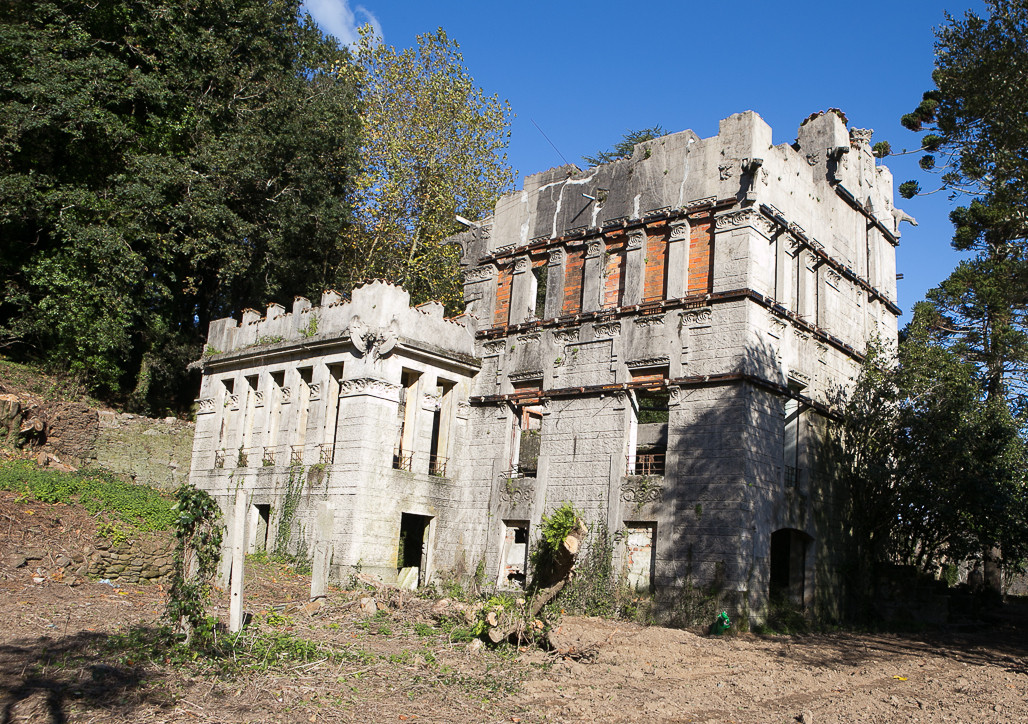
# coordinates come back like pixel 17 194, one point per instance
pixel 198 534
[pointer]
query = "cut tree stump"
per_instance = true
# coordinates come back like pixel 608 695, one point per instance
pixel 563 566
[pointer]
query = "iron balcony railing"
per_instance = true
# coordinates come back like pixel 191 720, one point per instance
pixel 403 461
pixel 437 465
pixel 647 464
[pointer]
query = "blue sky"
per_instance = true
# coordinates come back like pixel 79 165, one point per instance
pixel 587 72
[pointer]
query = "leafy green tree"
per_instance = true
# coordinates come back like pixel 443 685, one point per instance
pixel 934 470
pixel 162 164
pixel 975 120
pixel 975 123
pixel 625 147
pixel 432 147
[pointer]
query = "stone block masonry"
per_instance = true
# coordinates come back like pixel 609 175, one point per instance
pixel 656 340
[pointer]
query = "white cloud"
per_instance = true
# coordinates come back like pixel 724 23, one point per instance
pixel 336 18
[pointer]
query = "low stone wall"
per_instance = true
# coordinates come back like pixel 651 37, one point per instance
pixel 148 451
pixel 148 558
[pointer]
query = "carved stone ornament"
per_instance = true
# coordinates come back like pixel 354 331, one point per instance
pixel 726 171
pixel 799 377
pixel 529 375
pixel 606 329
pixel 495 346
pixel 369 386
pixel 233 402
pixel 522 264
pixel 529 338
pixel 636 239
pixel 793 244
pixel 674 395
pixel 811 260
pixel 776 326
pixel 431 402
pixel 375 343
pixel 697 203
pixel 205 405
pixel 556 256
pixel 764 176
pixel 504 249
pixel 516 490
pixel 797 230
pixel 478 273
pixel 680 231
pixel 286 395
pixel 659 361
pixel 641 489
pixel 822 353
pixel 315 388
pixel 564 336
pixel 594 249
pixel 697 317
pixel 463 410
pixel 861 135
pixel 650 320
pixel 813 158
pixel 834 278
pixel 745 217
pixel 258 399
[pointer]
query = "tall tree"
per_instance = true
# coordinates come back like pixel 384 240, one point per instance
pixel 161 164
pixel 976 125
pixel 934 471
pixel 432 147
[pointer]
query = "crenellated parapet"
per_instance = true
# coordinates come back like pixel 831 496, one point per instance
pixel 373 320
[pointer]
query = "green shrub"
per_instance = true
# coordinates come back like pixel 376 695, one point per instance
pixel 98 491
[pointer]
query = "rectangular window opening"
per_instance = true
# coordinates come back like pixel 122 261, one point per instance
pixel 541 273
pixel 403 451
pixel 514 557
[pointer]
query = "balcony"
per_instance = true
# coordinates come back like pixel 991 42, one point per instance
pixel 646 464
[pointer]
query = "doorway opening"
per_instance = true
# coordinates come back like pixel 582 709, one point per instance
pixel 412 551
pixel 788 566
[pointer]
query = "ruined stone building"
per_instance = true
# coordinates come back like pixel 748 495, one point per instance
pixel 657 340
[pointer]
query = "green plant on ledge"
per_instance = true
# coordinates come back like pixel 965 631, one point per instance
pixel 312 327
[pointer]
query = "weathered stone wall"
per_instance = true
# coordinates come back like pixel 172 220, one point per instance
pixel 148 451
pixel 146 558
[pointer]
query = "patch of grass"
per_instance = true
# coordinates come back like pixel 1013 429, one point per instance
pixel 423 629
pixel 98 491
pixel 46 383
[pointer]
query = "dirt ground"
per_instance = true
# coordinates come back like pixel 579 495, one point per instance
pixel 57 663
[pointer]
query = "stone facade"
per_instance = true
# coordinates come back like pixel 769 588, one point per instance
pixel 657 340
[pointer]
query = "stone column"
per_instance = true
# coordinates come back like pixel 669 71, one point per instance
pixel 322 549
pixel 807 292
pixel 235 601
pixel 592 277
pixel 555 283
pixel 522 291
pixel 678 260
pixel 635 267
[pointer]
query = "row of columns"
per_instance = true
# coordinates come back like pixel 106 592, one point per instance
pixel 524 282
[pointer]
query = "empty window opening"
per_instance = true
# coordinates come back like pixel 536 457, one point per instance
pixel 791 437
pixel 514 557
pixel 648 437
pixel 260 522
pixel 403 451
pixel 640 559
pixel 412 550
pixel 246 441
pixel 333 387
pixel 541 273
pixel 230 385
pixel 527 441
pixel 787 580
pixel 303 400
pixel 442 423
